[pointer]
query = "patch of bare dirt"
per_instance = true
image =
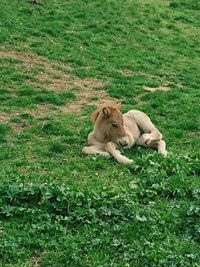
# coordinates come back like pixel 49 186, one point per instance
pixel 85 97
pixel 4 117
pixel 19 126
pixel 43 110
pixel 35 261
pixel 151 89
pixel 64 81
pixel 138 99
pixel 179 85
pixel 127 72
pixel 31 60
pixel 159 88
pixel 56 76
pixel 164 87
pixel 40 112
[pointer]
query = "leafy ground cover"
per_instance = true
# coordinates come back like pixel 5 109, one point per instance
pixel 59 60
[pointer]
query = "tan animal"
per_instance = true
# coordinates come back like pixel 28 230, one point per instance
pixel 114 131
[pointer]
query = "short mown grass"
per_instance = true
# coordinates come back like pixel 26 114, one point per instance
pixel 59 207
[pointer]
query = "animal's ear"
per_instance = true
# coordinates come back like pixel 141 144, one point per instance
pixel 106 112
pixel 95 115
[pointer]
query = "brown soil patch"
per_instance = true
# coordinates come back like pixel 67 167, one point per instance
pixel 151 89
pixel 164 87
pixel 159 88
pixel 84 98
pixel 4 117
pixel 56 76
pixel 138 99
pixel 43 110
pixel 63 81
pixel 127 72
pixel 31 60
pixel 17 127
pixel 35 261
pixel 179 85
pixel 40 112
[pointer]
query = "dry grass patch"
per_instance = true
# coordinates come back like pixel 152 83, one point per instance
pixel 138 99
pixel 4 117
pixel 56 76
pixel 32 60
pixel 84 97
pixel 127 72
pixel 159 88
pixel 18 123
pixel 35 261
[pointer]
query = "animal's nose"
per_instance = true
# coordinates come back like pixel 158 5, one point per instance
pixel 123 143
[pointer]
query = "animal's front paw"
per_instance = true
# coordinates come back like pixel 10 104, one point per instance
pixel 86 150
pixel 163 152
pixel 125 160
pixel 105 154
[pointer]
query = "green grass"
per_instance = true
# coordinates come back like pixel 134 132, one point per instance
pixel 59 207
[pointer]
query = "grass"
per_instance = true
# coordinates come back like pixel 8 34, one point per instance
pixel 59 207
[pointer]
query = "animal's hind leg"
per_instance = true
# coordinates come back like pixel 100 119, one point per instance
pixel 146 126
pixel 95 149
pixel 160 145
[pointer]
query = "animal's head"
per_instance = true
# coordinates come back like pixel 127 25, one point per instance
pixel 109 125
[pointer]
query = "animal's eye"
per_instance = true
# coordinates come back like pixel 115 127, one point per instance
pixel 114 125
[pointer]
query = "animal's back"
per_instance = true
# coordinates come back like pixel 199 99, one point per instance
pixel 136 114
pixel 141 119
pixel 132 128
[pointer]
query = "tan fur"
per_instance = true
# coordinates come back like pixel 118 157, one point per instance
pixel 109 105
pixel 114 130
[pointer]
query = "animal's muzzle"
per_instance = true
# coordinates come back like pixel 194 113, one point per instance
pixel 123 143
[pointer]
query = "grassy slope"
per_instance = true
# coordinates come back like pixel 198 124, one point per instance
pixel 60 208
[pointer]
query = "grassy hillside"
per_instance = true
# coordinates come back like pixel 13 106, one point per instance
pixel 59 60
